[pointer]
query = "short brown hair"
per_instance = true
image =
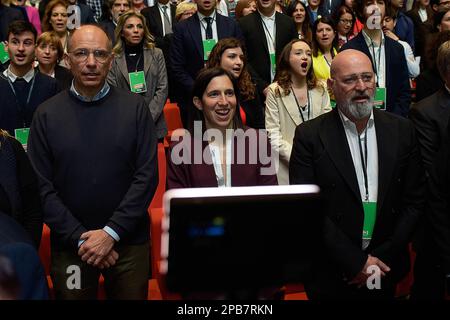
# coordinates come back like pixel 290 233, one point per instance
pixel 50 37
pixel 283 75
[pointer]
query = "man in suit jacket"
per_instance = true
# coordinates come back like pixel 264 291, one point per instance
pixel 8 15
pixel 430 117
pixel 262 42
pixel 387 56
pixel 187 54
pixel 367 164
pixel 160 20
pixel 111 13
pixel 329 7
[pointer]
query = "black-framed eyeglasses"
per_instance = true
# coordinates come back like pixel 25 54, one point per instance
pixel 81 55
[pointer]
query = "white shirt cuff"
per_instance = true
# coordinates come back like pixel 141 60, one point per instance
pixel 112 233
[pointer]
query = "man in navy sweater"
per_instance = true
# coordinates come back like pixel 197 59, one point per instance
pixel 94 149
pixel 21 88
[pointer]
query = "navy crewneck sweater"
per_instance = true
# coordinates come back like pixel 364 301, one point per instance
pixel 97 165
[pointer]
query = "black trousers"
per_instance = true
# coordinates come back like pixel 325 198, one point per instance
pixel 126 280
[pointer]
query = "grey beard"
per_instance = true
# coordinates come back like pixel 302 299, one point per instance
pixel 358 110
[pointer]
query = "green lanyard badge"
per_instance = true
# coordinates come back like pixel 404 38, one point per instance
pixel 208 45
pixel 4 56
pixel 273 61
pixel 137 82
pixel 370 214
pixel 380 99
pixel 21 135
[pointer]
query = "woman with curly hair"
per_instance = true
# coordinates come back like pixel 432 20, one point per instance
pixel 229 53
pixel 293 98
pixel 139 66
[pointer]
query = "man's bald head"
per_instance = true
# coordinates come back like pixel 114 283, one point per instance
pixel 92 31
pixel 89 58
pixel 353 84
pixel 345 60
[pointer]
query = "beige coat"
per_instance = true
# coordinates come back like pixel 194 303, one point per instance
pixel 283 116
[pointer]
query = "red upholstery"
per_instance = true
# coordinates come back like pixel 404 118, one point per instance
pixel 157 198
pixel 173 120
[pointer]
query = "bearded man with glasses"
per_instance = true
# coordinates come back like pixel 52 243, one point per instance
pixel 94 149
pixel 368 167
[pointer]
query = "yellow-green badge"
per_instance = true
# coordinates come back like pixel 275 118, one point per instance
pixel 137 82
pixel 273 61
pixel 208 45
pixel 380 99
pixel 370 215
pixel 21 135
pixel 4 56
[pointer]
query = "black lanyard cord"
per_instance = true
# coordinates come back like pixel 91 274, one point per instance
pixel 364 160
pixel 19 106
pixel 300 108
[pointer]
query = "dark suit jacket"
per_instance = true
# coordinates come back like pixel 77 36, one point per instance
pixel 155 26
pixel 186 52
pixel 8 15
pixel 430 117
pixel 439 187
pixel 428 82
pixel 63 76
pixel 256 44
pixel 109 28
pixel 191 175
pixel 154 22
pixel 421 31
pixel 328 10
pixel 320 155
pixel 398 95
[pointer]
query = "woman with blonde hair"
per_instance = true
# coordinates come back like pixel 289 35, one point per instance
pixel 139 66
pixel 295 97
pixel 185 10
pixel 49 52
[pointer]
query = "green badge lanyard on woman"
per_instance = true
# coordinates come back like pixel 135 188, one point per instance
pixel 137 79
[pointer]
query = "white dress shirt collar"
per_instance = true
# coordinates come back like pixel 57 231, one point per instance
pixel 27 77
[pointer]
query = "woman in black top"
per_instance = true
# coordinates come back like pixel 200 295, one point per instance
pixel 19 194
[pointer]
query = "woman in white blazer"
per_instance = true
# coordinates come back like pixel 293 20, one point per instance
pixel 295 96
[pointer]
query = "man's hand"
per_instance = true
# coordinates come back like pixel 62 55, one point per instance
pixel 109 260
pixel 96 247
pixel 265 91
pixel 362 276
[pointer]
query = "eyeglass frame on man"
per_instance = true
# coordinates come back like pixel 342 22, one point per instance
pixel 95 52
pixel 368 78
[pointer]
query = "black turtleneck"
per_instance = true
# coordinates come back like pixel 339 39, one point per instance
pixel 134 56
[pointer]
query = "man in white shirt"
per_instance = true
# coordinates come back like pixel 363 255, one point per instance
pixel 193 40
pixel 387 57
pixel 266 33
pixel 367 164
